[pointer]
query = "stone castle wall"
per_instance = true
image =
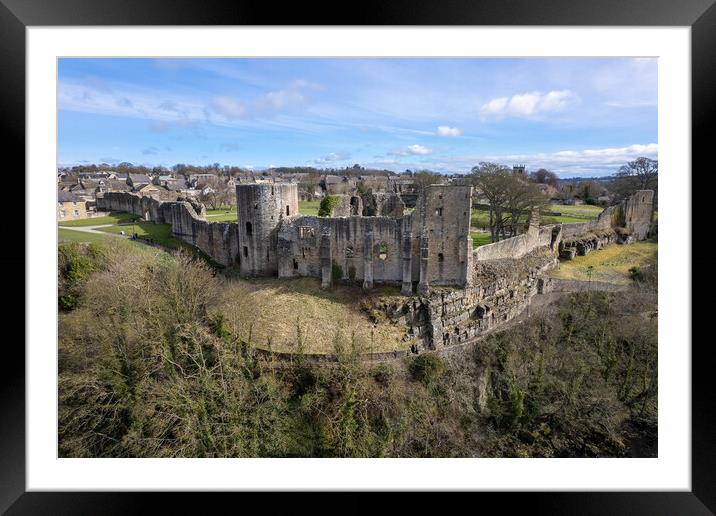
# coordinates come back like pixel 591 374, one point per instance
pixel 218 240
pixel 461 293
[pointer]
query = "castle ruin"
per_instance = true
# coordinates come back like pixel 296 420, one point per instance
pixel 453 293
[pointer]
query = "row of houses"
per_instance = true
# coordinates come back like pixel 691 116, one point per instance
pixel 76 196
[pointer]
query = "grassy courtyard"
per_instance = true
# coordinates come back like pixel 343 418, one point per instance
pixel 277 313
pixel 308 207
pixel 610 264
pixel 229 214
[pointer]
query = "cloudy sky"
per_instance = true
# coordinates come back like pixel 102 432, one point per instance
pixel 578 117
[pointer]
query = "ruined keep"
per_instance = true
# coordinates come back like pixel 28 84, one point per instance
pixel 453 293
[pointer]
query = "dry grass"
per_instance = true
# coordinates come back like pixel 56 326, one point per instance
pixel 272 310
pixel 610 264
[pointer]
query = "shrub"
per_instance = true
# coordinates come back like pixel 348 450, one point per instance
pixel 327 204
pixel 426 368
pixel 76 263
pixel 336 272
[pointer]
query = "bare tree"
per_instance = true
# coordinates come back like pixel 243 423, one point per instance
pixel 492 181
pixel 544 176
pixel 640 174
pixel 511 198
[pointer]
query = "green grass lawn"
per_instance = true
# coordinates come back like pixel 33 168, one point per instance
pixel 581 211
pixel 228 214
pixel 112 218
pixel 479 238
pixel 308 207
pixel 481 218
pixel 546 220
pixel 160 233
pixel 67 235
pixel 225 214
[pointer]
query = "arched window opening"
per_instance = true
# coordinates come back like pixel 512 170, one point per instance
pixel 383 251
pixel 441 257
pixel 288 210
pixel 249 229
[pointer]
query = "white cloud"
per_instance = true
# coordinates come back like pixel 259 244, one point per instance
pixel 418 149
pixel 332 157
pixel 566 163
pixel 414 149
pixel 527 104
pixel 228 107
pixel 445 130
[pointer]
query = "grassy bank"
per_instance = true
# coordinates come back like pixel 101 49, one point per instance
pixel 610 264
pixel 112 218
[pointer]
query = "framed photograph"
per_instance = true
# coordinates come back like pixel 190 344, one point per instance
pixel 417 253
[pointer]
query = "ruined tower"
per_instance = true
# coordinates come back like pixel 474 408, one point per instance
pixel 261 207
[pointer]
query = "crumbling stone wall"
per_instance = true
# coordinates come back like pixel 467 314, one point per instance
pixel 624 223
pixel 441 231
pixel 499 291
pixel 347 206
pixel 365 249
pixel 187 220
pixel 382 204
pixel 429 246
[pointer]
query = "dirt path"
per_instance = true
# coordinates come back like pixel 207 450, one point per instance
pixel 93 229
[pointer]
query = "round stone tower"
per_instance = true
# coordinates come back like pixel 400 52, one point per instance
pixel 261 207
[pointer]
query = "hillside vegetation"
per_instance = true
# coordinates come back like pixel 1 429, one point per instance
pixel 151 365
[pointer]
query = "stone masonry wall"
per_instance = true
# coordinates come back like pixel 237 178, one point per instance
pixel 499 291
pixel 187 220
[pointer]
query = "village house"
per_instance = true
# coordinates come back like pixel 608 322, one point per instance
pixel 70 206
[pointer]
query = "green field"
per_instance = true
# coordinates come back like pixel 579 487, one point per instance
pixel 546 220
pixel 160 233
pixel 479 238
pixel 112 218
pixel 480 218
pixel 228 214
pixel 582 211
pixel 610 264
pixel 225 214
pixel 308 207
pixel 67 235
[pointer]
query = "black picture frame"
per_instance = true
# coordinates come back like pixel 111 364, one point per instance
pixel 17 15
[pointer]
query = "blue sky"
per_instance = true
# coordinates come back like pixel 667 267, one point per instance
pixel 584 116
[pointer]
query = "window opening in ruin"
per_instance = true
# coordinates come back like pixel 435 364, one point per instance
pixel 272 190
pixel 383 251
pixel 295 264
pixel 439 212
pixel 249 229
pixel 288 211
pixel 441 257
pixel 246 252
pixel 305 232
pixel 267 254
pixel 256 206
pixel 303 252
